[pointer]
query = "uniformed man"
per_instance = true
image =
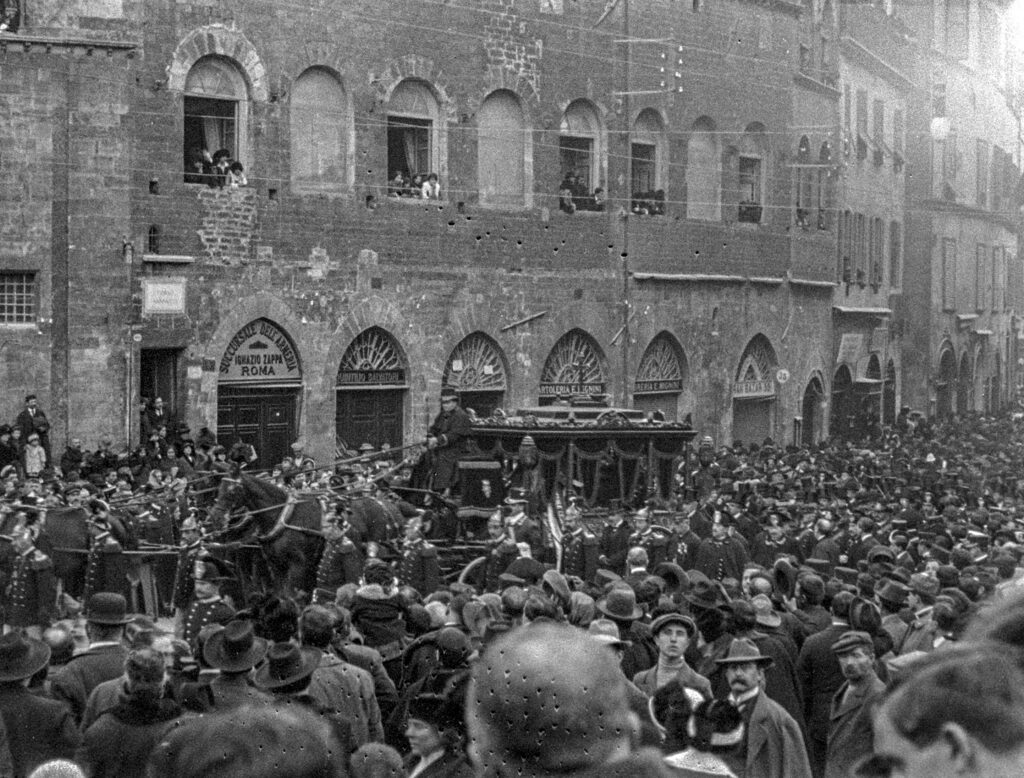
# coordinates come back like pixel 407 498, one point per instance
pixel 418 567
pixel 446 439
pixel 341 561
pixel 580 546
pixel 683 542
pixel 721 556
pixel 615 540
pixel 644 536
pixel 208 607
pixel 520 527
pixel 107 567
pixel 502 551
pixel 32 597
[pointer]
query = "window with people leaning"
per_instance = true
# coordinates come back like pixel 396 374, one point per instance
pixel 217 170
pixel 574 194
pixel 418 186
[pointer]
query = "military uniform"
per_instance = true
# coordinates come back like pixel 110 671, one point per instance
pixel 419 567
pixel 107 568
pixel 33 590
pixel 615 544
pixel 341 563
pixel 655 544
pixel 682 548
pixel 503 552
pixel 719 559
pixel 202 613
pixel 580 552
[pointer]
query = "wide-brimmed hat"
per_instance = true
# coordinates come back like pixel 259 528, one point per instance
pixel 606 631
pixel 893 592
pixel 742 652
pixel 286 664
pixel 620 603
pixel 21 657
pixel 235 648
pixel 674 618
pixel 107 608
pixel 704 594
pixel 673 575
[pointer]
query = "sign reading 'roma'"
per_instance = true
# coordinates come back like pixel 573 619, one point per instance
pixel 260 353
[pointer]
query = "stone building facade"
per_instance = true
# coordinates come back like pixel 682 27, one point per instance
pixel 310 303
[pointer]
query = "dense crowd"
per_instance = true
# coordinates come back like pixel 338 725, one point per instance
pixel 830 610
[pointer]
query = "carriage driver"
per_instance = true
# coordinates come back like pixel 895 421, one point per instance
pixel 446 440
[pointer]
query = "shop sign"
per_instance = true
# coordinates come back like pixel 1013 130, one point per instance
pixel 748 389
pixel 371 377
pixel 163 296
pixel 663 385
pixel 260 353
pixel 553 390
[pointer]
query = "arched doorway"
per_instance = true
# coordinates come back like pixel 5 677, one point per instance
pixel 945 384
pixel 476 370
pixel 257 391
pixel 371 387
pixel 660 377
pixel 889 395
pixel 574 366
pixel 965 385
pixel 753 392
pixel 811 412
pixel 842 419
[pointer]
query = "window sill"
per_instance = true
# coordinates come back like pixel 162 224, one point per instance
pixel 168 259
pixel 19 325
pixel 413 201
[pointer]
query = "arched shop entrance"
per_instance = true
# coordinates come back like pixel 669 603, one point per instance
pixel 371 388
pixel 476 370
pixel 965 385
pixel 660 377
pixel 945 384
pixel 811 412
pixel 889 395
pixel 258 388
pixel 844 406
pixel 575 366
pixel 753 393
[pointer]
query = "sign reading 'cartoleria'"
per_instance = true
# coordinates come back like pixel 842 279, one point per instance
pixel 260 353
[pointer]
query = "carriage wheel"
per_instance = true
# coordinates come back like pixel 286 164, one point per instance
pixel 471 568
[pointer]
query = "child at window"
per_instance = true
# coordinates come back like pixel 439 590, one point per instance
pixel 397 186
pixel 221 163
pixel 236 175
pixel 431 188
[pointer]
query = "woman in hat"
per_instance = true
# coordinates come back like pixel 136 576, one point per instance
pixel 435 733
pixel 696 733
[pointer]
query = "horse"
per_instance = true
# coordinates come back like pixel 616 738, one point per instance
pixel 287 530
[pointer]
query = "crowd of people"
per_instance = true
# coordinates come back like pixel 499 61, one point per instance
pixel 830 610
pixel 420 186
pixel 215 170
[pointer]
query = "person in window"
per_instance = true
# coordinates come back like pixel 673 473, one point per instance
pixel 221 163
pixel 431 189
pixel 416 187
pixel 399 185
pixel 236 175
pixel 600 199
pixel 200 165
pixel 565 193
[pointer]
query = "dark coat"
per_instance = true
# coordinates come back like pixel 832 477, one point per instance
pixel 235 690
pixel 775 747
pixel 827 548
pixel 451 430
pixel 341 686
pixel 579 555
pixel 379 617
pixel 645 681
pixel 820 677
pixel 642 654
pixel 369 660
pixel 615 545
pixel 201 614
pixel 120 741
pixel 850 732
pixel 419 567
pixel 38 729
pixel 76 680
pixel 451 765
pixel 719 559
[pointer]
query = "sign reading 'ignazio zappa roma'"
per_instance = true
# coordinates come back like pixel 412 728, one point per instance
pixel 260 353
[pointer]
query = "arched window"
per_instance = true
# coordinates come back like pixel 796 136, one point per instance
pixel 703 172
pixel 412 122
pixel 215 114
pixel 574 366
pixel 752 174
pixel 580 145
pixel 649 157
pixel 660 377
pixel 825 183
pixel 320 127
pixel 501 151
pixel 476 370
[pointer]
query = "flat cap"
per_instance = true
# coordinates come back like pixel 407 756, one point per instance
pixel 851 640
